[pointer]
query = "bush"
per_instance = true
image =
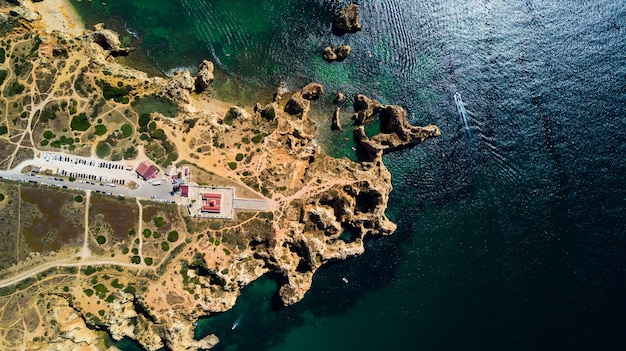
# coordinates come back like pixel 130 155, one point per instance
pixel 44 142
pixel 165 246
pixel 1 197
pixel 78 198
pixel 172 236
pixel 100 129
pixel 103 149
pixel 148 261
pixel 158 221
pixel 101 240
pixel 127 130
pixel 239 157
pixel 48 134
pixel 232 165
pixel 3 130
pixel 147 233
pixel 80 122
pixel 135 259
pixel 257 138
pixel 88 292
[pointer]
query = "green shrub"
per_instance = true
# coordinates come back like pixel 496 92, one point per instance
pixel 148 261
pixel 100 129
pixel 147 232
pixel 232 165
pixel 101 240
pixel 165 246
pixel 127 130
pixel 158 221
pixel 78 198
pixel 1 197
pixel 172 236
pixel 48 134
pixel 135 260
pixel 257 138
pixel 239 157
pixel 3 130
pixel 80 122
pixel 88 292
pixel 44 142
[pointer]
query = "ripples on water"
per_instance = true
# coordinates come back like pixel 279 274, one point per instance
pixel 511 240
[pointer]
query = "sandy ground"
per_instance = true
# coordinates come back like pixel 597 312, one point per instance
pixel 60 15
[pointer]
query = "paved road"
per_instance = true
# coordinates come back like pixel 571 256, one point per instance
pixel 249 204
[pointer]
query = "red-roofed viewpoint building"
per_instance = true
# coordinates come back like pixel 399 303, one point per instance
pixel 146 170
pixel 211 202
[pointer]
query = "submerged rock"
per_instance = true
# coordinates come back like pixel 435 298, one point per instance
pixel 340 97
pixel 347 21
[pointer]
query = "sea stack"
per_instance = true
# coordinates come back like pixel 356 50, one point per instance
pixel 347 21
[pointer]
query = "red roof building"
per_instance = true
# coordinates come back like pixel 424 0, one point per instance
pixel 146 170
pixel 184 190
pixel 211 202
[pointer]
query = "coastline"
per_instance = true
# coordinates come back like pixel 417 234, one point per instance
pixel 60 15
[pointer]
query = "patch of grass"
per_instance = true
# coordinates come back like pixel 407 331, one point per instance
pixel 103 149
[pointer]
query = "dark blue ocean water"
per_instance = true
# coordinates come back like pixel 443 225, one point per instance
pixel 513 238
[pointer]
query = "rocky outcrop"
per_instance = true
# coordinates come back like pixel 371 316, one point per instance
pixel 336 122
pixel 312 91
pixel 347 21
pixel 238 113
pixel 109 41
pixel 340 97
pixel 396 133
pixel 205 76
pixel 297 105
pixel 280 91
pixel 365 109
pixel 339 53
pixel 25 13
pixel 178 88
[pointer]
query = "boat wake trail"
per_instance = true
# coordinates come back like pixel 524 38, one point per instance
pixel 460 107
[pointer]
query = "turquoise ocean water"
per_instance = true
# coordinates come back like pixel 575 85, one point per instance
pixel 511 231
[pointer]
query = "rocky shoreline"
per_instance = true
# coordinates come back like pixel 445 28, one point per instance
pixel 314 199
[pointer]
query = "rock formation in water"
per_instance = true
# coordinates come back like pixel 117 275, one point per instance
pixel 365 109
pixel 347 21
pixel 205 76
pixel 336 122
pixel 339 53
pixel 340 97
pixel 312 91
pixel 395 133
